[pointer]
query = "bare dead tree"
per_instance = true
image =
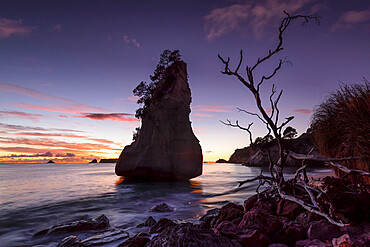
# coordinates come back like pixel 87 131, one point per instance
pixel 276 181
pixel 254 85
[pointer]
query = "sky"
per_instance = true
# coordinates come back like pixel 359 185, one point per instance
pixel 68 68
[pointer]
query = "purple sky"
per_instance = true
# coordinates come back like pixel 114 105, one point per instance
pixel 68 68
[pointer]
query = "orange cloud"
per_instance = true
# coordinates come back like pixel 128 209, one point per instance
pixel 202 114
pixel 212 108
pixel 123 117
pixel 20 114
pixel 9 27
pixel 303 111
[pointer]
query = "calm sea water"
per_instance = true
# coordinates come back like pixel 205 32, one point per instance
pixel 36 196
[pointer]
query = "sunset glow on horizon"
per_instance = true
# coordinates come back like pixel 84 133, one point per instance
pixel 67 69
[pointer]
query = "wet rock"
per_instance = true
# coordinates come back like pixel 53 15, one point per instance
pixel 148 222
pixel 323 230
pixel 267 204
pixel 70 241
pixel 342 241
pixel 138 240
pixel 359 234
pixel 278 245
pixel 253 238
pixel 100 222
pixel 166 147
pixel 262 221
pixel 104 238
pixel 291 233
pixel 288 209
pixel 249 203
pixel 228 212
pixel 311 243
pixel 184 235
pixel 228 229
pixel 161 225
pixel 306 217
pixel 209 216
pixel 163 207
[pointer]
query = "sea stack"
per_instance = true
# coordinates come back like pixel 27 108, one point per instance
pixel 166 148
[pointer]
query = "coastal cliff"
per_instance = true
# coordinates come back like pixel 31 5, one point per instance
pixel 256 155
pixel 166 147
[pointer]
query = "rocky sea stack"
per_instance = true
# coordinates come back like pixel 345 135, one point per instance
pixel 166 147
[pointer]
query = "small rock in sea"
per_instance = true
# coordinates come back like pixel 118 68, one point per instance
pixel 163 207
pixel 50 161
pixel 161 225
pixel 70 241
pixel 81 225
pixel 106 237
pixel 94 161
pixel 139 240
pixel 148 222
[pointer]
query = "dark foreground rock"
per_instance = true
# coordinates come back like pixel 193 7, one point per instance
pixel 186 235
pixel 139 240
pixel 100 222
pixel 148 222
pixel 166 147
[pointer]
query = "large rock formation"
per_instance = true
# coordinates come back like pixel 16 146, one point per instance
pixel 166 147
pixel 252 155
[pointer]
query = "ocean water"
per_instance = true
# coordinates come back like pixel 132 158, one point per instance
pixel 36 196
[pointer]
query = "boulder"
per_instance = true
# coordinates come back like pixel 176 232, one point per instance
pixel 160 208
pixel 148 222
pixel 249 203
pixel 253 238
pixel 323 230
pixel 100 222
pixel 161 225
pixel 228 212
pixel 288 209
pixel 342 241
pixel 70 241
pixel 105 237
pixel 289 234
pixel 166 147
pixel 311 243
pixel 210 215
pixel 139 240
pixel 262 221
pixel 184 235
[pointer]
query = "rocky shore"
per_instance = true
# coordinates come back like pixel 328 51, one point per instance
pixel 259 222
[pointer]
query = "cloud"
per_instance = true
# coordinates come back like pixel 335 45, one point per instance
pixel 11 88
pixel 9 27
pixel 123 117
pixel 72 108
pixel 38 134
pixel 13 127
pixel 254 16
pixel 65 155
pixel 132 41
pixel 57 27
pixel 212 108
pixel 47 154
pixel 202 114
pixel 20 115
pixel 352 19
pixel 303 111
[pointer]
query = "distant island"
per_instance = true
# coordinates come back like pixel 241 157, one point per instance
pixel 93 161
pixel 108 161
pixel 50 161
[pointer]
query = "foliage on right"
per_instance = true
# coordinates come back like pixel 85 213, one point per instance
pixel 341 127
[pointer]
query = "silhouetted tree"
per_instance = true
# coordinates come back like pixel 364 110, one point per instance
pixel 289 132
pixel 145 90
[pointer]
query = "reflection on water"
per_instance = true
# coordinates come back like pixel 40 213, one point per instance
pixel 36 196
